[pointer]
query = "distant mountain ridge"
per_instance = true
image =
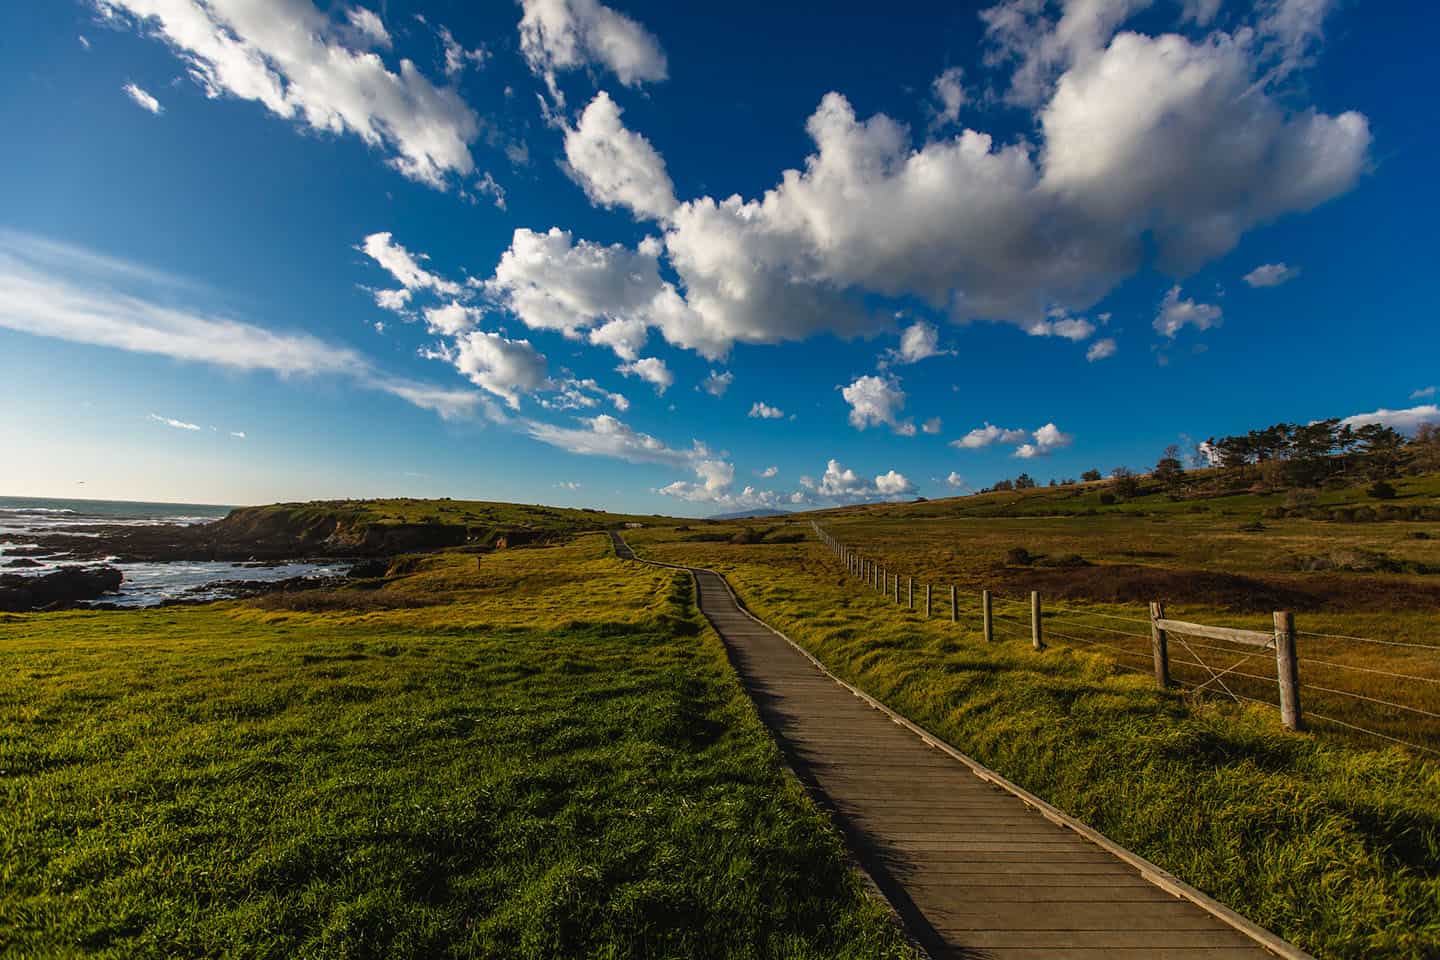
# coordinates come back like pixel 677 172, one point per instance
pixel 749 514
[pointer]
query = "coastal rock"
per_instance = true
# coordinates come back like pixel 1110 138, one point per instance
pixel 58 590
pixel 24 562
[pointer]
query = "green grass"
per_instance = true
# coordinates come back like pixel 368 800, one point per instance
pixel 1332 844
pixel 542 757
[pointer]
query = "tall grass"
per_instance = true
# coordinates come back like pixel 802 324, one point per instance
pixel 1333 845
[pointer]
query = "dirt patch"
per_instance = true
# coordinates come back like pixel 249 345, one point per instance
pixel 1132 583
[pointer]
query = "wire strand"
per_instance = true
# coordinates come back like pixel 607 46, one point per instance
pixel 1309 661
pixel 1361 696
pixel 1374 733
pixel 1384 643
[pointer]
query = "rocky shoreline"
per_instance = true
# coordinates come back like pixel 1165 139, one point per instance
pixel 62 589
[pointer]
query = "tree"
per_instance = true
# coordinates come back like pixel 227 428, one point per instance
pixel 1170 472
pixel 1004 485
pixel 1310 449
pixel 1090 476
pixel 1126 484
pixel 1425 448
pixel 1024 482
pixel 1380 450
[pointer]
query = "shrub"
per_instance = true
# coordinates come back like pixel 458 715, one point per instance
pixel 1380 490
pixel 1107 499
pixel 1018 556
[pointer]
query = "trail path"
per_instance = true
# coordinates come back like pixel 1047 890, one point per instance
pixel 973 869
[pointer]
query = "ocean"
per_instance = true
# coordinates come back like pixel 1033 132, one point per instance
pixel 145 584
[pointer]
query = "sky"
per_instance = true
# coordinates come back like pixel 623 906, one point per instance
pixel 688 260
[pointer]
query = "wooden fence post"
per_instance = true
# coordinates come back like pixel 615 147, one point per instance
pixel 1036 639
pixel 1159 643
pixel 954 606
pixel 985 610
pixel 897 588
pixel 1288 670
pixel 927 601
pixel 910 592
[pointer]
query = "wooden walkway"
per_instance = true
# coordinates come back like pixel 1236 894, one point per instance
pixel 972 869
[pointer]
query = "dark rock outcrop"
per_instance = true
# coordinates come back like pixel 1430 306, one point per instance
pixel 23 562
pixel 59 590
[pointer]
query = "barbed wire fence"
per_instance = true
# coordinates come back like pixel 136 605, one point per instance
pixel 1395 700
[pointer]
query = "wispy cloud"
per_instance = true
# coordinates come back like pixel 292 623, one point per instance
pixel 143 99
pixel 68 293
pixel 172 422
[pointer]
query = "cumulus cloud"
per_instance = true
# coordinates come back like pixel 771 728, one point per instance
pixel 875 401
pixel 955 481
pixel 1271 275
pixel 487 187
pixel 652 370
pixel 615 166
pixel 1101 349
pixel 172 422
pixel 1176 314
pixel 405 267
pixel 982 437
pixel 1406 421
pixel 1060 324
pixel 919 341
pixel 769 472
pixel 302 65
pixel 68 293
pixel 577 394
pixel 842 484
pixel 717 382
pixel 560 35
pixel 393 300
pixel 1422 393
pixel 451 319
pixel 763 411
pixel 625 335
pixel 142 99
pixel 507 368
pixel 366 29
pixel 1045 440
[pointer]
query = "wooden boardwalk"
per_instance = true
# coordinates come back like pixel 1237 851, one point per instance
pixel 972 869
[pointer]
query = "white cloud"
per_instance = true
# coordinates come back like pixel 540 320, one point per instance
pixel 1271 275
pixel 769 472
pixel 627 336
pixel 955 480
pixel 919 341
pixel 874 401
pixel 1176 314
pixel 487 187
pixel 1406 421
pixel 616 166
pixel 717 382
pixel 394 300
pixel 763 411
pixel 1042 47
pixel 507 368
pixel 84 41
pixel 452 319
pixel 1047 439
pixel 1290 31
pixel 949 92
pixel 568 34
pixel 892 484
pixel 1061 325
pixel 238 434
pixel 570 485
pixel 457 58
pixel 989 434
pixel 405 266
pixel 1201 12
pixel 1422 393
pixel 933 425
pixel 606 436
pixel 299 64
pixel 573 394
pixel 367 29
pixel 172 422
pixel 1101 349
pixel 143 99
pixel 650 369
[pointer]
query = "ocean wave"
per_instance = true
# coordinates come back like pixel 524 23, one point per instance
pixel 34 510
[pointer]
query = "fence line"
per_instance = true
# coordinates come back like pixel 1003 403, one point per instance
pixel 929 601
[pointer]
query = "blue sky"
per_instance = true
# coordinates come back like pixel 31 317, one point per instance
pixel 642 257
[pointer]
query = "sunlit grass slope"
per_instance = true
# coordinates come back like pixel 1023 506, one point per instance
pixel 539 755
pixel 1332 844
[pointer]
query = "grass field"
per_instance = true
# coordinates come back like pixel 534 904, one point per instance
pixel 542 757
pixel 1331 843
